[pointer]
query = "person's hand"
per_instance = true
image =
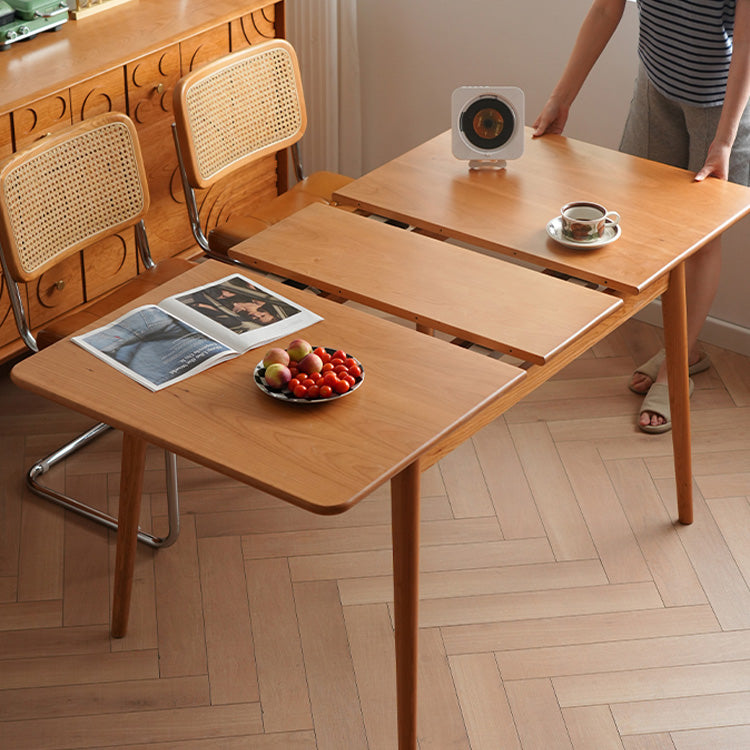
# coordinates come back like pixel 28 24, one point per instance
pixel 552 118
pixel 716 164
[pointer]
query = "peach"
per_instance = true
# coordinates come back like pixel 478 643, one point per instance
pixel 298 348
pixel 277 354
pixel 277 375
pixel 310 363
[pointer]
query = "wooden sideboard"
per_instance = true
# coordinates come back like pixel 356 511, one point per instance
pixel 127 59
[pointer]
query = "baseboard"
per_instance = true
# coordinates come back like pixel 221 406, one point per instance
pixel 715 331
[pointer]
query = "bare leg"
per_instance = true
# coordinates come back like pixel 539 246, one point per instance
pixel 702 271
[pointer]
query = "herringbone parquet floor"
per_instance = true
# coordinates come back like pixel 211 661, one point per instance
pixel 562 607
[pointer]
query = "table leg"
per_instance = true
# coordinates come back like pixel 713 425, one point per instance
pixel 405 529
pixel 131 486
pixel 675 339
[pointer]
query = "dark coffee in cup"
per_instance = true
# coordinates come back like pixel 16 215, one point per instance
pixel 584 221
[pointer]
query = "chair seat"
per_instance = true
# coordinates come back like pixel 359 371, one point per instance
pixel 323 184
pixel 67 325
pixel 286 204
pixel 233 231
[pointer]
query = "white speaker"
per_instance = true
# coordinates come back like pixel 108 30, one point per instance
pixel 488 125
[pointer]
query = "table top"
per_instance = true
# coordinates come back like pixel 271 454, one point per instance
pixel 324 456
pixel 502 306
pixel 666 215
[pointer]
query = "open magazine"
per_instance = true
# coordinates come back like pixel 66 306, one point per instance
pixel 158 345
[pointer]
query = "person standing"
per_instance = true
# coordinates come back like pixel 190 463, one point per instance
pixel 690 110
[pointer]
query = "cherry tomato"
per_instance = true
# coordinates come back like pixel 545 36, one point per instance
pixel 350 361
pixel 313 391
pixel 349 379
pixel 330 378
pixel 326 391
pixel 320 351
pixel 300 391
pixel 314 376
pixel 341 386
pixel 325 356
pixel 336 361
pixel 355 371
pixel 340 354
pixel 307 382
pixel 339 369
pixel 292 384
pixel 327 367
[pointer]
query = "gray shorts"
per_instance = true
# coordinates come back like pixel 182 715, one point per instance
pixel 679 134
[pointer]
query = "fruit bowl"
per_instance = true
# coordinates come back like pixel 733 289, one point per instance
pixel 284 394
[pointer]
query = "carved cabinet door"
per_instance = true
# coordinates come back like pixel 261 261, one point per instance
pixel 40 117
pixel 150 81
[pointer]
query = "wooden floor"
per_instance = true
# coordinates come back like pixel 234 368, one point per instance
pixel 562 607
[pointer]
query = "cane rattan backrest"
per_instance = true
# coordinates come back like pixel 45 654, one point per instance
pixel 68 190
pixel 237 109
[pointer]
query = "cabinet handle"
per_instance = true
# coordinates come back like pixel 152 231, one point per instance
pixel 159 88
pixel 60 285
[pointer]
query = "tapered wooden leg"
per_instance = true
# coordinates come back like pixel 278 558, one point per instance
pixel 675 339
pixel 131 486
pixel 405 526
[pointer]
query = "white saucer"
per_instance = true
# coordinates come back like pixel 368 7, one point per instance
pixel 554 230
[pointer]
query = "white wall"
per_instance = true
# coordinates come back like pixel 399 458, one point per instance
pixel 413 53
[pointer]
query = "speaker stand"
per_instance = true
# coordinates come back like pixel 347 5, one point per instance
pixel 487 164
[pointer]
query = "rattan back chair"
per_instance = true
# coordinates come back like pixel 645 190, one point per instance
pixel 232 112
pixel 58 196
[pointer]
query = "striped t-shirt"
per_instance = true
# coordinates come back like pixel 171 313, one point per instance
pixel 686 47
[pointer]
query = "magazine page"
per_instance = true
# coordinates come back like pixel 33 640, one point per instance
pixel 153 347
pixel 239 312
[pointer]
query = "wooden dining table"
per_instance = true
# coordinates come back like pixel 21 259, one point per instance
pixel 321 456
pixel 543 311
pixel 665 217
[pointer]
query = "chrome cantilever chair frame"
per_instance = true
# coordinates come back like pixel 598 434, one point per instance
pixel 192 204
pixel 12 274
pixel 192 208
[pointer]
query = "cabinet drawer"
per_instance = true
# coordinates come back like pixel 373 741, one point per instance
pixel 150 81
pixel 41 117
pixel 56 291
pixel 254 27
pixel 203 48
pixel 104 93
pixel 109 263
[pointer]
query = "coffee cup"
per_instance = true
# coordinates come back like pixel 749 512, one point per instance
pixel 583 221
